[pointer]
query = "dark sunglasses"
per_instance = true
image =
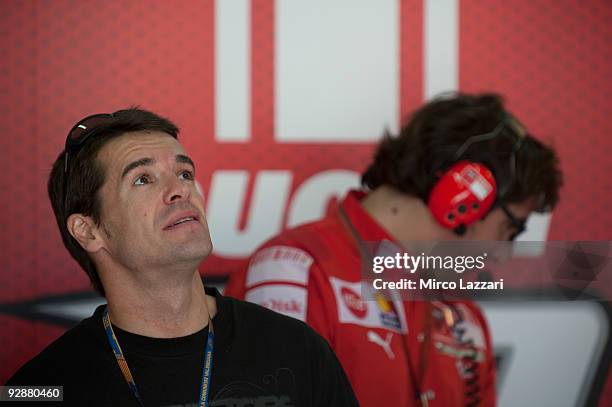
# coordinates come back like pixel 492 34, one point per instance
pixel 81 131
pixel 77 136
pixel 519 225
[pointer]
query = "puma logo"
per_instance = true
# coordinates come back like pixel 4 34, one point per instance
pixel 385 344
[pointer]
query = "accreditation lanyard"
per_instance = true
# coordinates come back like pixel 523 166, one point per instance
pixel 208 354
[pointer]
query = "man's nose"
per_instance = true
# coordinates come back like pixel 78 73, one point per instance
pixel 177 190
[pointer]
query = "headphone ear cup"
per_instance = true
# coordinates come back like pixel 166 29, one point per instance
pixel 463 194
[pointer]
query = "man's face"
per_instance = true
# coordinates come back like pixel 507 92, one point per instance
pixel 152 214
pixel 497 225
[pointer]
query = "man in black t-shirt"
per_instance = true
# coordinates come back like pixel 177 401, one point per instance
pixel 129 211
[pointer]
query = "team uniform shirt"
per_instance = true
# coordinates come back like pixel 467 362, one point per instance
pixel 260 358
pixel 395 353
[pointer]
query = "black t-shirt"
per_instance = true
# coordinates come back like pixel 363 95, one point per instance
pixel 260 358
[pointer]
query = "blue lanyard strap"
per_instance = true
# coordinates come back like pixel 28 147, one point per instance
pixel 127 374
pixel 208 359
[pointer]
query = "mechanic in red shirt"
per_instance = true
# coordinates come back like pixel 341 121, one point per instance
pixel 462 168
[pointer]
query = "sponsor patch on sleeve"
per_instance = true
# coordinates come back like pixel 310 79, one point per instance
pixel 279 264
pixel 353 309
pixel 289 300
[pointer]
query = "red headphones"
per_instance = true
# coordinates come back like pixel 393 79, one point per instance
pixel 463 195
pixel 467 190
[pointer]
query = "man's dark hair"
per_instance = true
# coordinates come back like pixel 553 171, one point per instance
pixel 75 189
pixel 427 145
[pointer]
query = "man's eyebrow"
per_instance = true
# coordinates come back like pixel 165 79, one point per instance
pixel 135 164
pixel 181 158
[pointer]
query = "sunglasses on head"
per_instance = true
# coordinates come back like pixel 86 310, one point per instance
pixel 77 136
pixel 81 131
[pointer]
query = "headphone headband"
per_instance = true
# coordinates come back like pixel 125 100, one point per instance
pixel 467 191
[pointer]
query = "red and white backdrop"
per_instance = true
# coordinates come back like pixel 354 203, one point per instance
pixel 280 105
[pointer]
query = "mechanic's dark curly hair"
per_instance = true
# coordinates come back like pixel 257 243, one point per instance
pixel 413 161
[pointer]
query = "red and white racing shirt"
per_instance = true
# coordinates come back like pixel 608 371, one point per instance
pixel 395 353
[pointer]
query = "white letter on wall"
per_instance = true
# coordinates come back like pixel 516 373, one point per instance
pixel 226 200
pixel 232 69
pixel 337 73
pixel 440 48
pixel 311 198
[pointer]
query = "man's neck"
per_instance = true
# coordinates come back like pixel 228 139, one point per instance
pixel 404 217
pixel 162 310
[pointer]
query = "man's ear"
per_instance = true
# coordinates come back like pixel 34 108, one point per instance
pixel 85 231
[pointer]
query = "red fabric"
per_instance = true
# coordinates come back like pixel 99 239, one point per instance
pixel 379 376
